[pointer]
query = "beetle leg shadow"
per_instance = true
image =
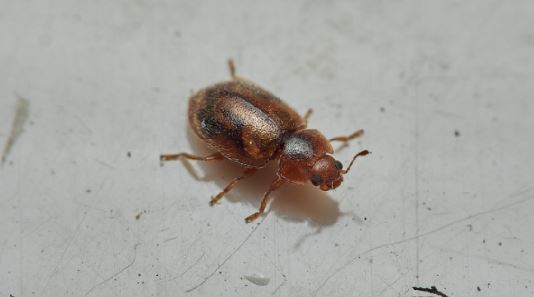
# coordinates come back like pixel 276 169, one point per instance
pixel 305 237
pixel 343 146
pixel 191 170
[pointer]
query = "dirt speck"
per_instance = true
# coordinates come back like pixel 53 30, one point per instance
pixel 138 216
pixel 478 289
pixel 456 133
pixel 129 154
pixel 432 290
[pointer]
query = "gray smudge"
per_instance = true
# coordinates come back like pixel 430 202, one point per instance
pixel 21 116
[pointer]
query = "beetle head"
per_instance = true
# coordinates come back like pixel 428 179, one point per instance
pixel 326 173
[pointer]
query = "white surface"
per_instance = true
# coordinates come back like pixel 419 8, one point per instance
pixel 104 78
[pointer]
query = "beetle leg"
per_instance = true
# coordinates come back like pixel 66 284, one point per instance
pixel 274 185
pixel 248 172
pixel 231 68
pixel 348 138
pixel 172 157
pixel 307 115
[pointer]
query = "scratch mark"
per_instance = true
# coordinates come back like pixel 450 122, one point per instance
pixel 447 114
pixel 67 247
pixel 390 285
pixel 169 239
pixel 22 112
pixel 416 186
pixel 104 164
pixel 84 125
pixel 489 260
pixel 193 265
pixel 432 290
pixel 115 274
pixel 456 222
pixel 226 259
pixel 280 285
pixel 189 268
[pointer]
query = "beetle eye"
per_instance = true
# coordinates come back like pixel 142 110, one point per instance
pixel 316 179
pixel 339 166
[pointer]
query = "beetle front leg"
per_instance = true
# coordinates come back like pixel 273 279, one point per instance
pixel 263 204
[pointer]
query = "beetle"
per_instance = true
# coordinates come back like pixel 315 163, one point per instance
pixel 246 124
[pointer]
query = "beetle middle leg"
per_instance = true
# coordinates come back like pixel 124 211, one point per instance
pixel 173 157
pixel 274 185
pixel 348 138
pixel 248 172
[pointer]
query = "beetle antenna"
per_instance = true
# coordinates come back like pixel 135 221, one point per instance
pixel 362 153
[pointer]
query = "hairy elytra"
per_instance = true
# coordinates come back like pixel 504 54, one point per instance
pixel 246 124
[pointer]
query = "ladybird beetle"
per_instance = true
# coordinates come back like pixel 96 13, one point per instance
pixel 246 124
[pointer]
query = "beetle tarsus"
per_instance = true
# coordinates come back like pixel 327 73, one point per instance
pixel 252 217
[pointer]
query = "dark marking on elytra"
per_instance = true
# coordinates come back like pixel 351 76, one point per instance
pixel 210 127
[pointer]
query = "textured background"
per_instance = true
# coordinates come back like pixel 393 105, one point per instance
pixel 442 88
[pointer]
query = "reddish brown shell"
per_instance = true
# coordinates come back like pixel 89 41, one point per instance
pixel 242 121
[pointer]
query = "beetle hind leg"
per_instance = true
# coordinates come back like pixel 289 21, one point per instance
pixel 173 157
pixel 248 172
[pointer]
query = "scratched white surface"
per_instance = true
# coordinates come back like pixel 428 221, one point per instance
pixel 427 208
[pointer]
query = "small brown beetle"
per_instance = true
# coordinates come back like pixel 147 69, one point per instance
pixel 250 126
